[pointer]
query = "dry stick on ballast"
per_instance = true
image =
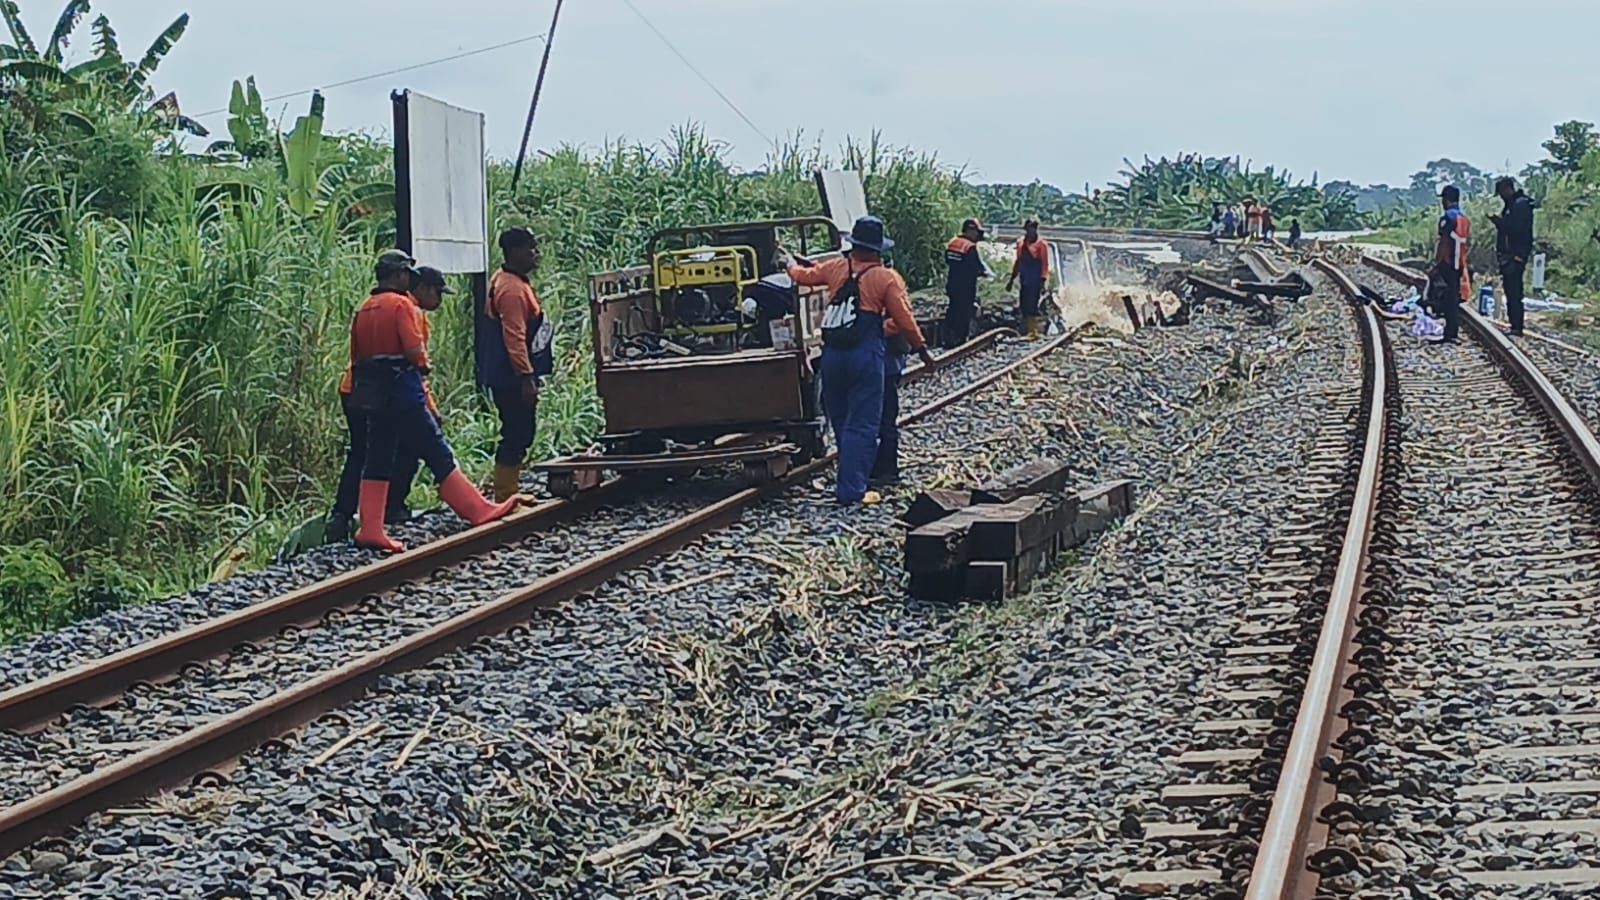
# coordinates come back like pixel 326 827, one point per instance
pixel 1004 862
pixel 780 819
pixel 884 861
pixel 344 742
pixel 411 745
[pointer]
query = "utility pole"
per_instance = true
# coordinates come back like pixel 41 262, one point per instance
pixel 527 130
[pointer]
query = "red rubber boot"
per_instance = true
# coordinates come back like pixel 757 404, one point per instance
pixel 374 496
pixel 460 495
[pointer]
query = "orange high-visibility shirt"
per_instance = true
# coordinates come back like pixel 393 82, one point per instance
pixel 346 381
pixel 883 291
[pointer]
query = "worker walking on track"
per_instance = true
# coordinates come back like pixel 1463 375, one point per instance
pixel 512 344
pixel 388 364
pixel 1449 281
pixel 966 266
pixel 428 288
pixel 1032 266
pixel 863 295
pixel 1513 246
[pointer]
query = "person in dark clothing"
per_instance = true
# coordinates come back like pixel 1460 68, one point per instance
pixel 1294 233
pixel 1449 282
pixel 961 286
pixel 1513 246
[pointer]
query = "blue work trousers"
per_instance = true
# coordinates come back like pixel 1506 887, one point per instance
pixel 887 467
pixel 410 427
pixel 852 395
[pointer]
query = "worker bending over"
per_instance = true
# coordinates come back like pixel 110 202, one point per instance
pixel 1033 268
pixel 512 345
pixel 863 295
pixel 388 363
pixel 428 288
pixel 966 266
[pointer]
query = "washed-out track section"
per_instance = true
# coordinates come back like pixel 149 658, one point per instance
pixel 1424 718
pixel 124 726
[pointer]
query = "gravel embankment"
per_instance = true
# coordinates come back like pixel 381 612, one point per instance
pixel 777 664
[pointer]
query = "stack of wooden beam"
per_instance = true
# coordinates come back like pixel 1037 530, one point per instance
pixel 989 543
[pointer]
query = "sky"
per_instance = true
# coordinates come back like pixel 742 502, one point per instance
pixel 1009 90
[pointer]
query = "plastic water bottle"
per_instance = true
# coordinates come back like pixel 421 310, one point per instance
pixel 1486 300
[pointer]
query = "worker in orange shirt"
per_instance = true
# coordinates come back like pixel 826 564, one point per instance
pixel 388 365
pixel 428 288
pixel 1032 266
pixel 512 345
pixel 863 295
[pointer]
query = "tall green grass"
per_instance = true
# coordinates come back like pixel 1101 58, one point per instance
pixel 168 362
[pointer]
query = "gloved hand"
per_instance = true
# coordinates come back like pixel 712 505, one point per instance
pixel 926 355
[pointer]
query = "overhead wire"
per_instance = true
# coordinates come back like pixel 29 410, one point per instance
pixel 388 72
pixel 701 75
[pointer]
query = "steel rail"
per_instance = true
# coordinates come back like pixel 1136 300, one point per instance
pixel 171 761
pixel 1051 231
pixel 1279 871
pixel 32 706
pixel 1572 425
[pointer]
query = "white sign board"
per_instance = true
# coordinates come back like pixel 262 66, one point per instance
pixel 1538 272
pixel 843 197
pixel 449 185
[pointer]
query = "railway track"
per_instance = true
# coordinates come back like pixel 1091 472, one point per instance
pixel 1408 709
pixel 265 670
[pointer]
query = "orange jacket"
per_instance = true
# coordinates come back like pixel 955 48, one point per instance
pixel 513 301
pixel 346 381
pixel 1037 250
pixel 883 291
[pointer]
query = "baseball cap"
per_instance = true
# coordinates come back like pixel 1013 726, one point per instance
pixel 395 261
pixel 973 223
pixel 428 276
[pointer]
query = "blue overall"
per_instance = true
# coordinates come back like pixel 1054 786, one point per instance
pixel 406 427
pixel 852 396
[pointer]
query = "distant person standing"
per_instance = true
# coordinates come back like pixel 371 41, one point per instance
pixel 1513 245
pixel 1230 223
pixel 961 285
pixel 1252 218
pixel 1294 233
pixel 1449 282
pixel 1267 231
pixel 1216 222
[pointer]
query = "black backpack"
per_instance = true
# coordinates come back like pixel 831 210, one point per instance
pixel 841 320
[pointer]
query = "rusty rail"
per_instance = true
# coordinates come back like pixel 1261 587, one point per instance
pixel 1292 830
pixel 31 706
pixel 173 760
pixel 1293 834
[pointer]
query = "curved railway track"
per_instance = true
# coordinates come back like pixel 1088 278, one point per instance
pixel 251 666
pixel 1410 697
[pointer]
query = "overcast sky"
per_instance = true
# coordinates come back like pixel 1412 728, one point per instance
pixel 1013 90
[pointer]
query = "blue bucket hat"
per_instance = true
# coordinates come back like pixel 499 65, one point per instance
pixel 868 234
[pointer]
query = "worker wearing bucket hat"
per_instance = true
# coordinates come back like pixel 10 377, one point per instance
pixel 863 294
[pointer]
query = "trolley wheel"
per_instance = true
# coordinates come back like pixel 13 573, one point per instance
pixel 569 484
pixel 761 471
pixel 810 442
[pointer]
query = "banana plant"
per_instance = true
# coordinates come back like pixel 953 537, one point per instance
pixel 40 84
pixel 300 154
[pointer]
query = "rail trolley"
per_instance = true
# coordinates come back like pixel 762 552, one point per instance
pixel 707 356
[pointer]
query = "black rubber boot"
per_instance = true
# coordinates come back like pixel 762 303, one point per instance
pixel 336 529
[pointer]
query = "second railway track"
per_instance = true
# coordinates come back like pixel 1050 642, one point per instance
pixel 1427 723
pixel 324 645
